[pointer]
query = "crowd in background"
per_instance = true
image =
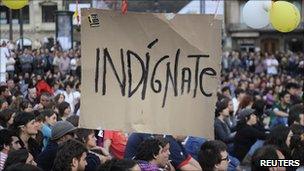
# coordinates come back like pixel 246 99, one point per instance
pixel 259 114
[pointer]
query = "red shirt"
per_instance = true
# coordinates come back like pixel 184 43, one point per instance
pixel 118 143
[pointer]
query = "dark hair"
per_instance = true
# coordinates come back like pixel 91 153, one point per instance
pixel 62 106
pixel 17 156
pixel 23 167
pixel 74 120
pixel 69 150
pixel 24 104
pixel 268 152
pixel 225 89
pixel 3 89
pixel 277 137
pixel 117 165
pixel 210 154
pixel 47 113
pixel 282 94
pixel 69 83
pixel 22 119
pixel 238 91
pixel 221 105
pixel 292 85
pixel 294 113
pixel 5 116
pixel 259 106
pixel 83 134
pixel 6 138
pixel 149 148
pixel 246 100
pixel 297 147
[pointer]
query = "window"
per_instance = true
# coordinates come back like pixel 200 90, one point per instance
pixel 4 15
pixel 48 13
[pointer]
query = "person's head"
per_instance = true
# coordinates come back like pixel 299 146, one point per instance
pixel 68 86
pixel 292 88
pixel 49 117
pixel 296 115
pixel 59 98
pixel 10 84
pixel 26 106
pixel 87 137
pixel 45 99
pixel 19 156
pixel 279 137
pixel 155 151
pixel 7 117
pixel 24 123
pixel 71 156
pixel 3 104
pixel 64 109
pixel 248 116
pixel 267 152
pixel 259 106
pixel 213 156
pixel 32 93
pixel 23 167
pixel 119 165
pixel 4 91
pixel 246 102
pixel 297 146
pixel 239 93
pixel 74 120
pixel 222 108
pixel 284 97
pixel 226 92
pixel 63 131
pixel 8 141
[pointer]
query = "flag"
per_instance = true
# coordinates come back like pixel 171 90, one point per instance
pixel 76 14
pixel 124 6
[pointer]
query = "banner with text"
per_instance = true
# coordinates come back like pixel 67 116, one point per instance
pixel 153 73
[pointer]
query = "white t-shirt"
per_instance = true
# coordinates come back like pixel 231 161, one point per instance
pixel 272 65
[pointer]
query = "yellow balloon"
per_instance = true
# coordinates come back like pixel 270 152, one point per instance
pixel 15 4
pixel 284 16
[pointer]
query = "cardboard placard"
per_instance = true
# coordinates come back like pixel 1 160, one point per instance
pixel 153 73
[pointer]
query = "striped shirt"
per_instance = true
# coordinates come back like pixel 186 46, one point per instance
pixel 3 157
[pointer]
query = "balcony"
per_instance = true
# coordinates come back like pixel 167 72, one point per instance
pixel 241 27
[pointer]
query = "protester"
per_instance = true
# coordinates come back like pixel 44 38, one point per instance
pixel 7 118
pixel 23 167
pixel 221 129
pixel 71 156
pixel 61 132
pixel 24 125
pixel 96 155
pixel 119 165
pixel 19 156
pixel 246 134
pixel 8 142
pixel 115 143
pixel 269 153
pixel 153 154
pixel 213 156
pixel 49 120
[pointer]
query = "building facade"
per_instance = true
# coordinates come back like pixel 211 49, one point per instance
pixel 241 37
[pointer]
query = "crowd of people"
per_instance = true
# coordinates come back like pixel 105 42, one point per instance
pixel 259 115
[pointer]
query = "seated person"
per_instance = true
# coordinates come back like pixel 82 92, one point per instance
pixel 213 156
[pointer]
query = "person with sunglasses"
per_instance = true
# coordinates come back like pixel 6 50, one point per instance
pixel 213 156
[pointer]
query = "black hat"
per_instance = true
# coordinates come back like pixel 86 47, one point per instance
pixel 245 113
